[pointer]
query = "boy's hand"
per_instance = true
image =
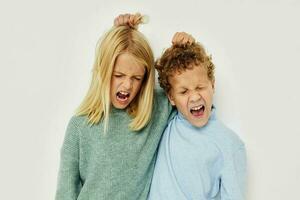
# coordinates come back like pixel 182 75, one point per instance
pixel 128 20
pixel 182 38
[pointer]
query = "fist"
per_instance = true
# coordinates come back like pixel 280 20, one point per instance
pixel 128 20
pixel 182 38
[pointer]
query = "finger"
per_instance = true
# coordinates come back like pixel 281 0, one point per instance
pixel 136 19
pixel 131 20
pixel 126 18
pixel 175 38
pixel 188 41
pixel 117 20
pixel 180 38
pixel 185 40
pixel 191 40
pixel 122 20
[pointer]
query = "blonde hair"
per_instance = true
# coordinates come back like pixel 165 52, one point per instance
pixel 97 104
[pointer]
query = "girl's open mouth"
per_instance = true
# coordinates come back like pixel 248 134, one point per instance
pixel 122 96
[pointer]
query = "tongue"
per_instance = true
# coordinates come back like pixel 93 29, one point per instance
pixel 198 112
pixel 122 96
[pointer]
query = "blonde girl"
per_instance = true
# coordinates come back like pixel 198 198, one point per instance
pixel 111 142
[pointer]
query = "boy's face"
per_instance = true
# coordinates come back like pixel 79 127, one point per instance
pixel 192 93
pixel 126 80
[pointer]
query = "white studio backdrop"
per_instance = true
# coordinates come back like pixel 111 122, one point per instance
pixel 47 51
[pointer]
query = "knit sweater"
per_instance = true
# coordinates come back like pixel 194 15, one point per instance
pixel 117 165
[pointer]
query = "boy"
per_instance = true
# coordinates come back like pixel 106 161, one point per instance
pixel 199 157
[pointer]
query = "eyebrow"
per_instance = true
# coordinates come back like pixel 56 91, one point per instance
pixel 141 75
pixel 184 88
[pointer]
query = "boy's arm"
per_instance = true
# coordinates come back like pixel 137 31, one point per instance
pixel 69 182
pixel 233 177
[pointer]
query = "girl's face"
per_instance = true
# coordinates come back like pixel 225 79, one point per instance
pixel 126 80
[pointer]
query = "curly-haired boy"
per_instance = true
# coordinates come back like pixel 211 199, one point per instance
pixel 199 157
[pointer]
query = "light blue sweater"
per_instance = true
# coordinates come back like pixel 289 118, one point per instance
pixel 199 163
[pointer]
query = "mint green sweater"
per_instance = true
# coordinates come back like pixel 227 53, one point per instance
pixel 115 166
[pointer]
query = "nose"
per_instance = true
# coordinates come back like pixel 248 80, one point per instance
pixel 127 83
pixel 195 96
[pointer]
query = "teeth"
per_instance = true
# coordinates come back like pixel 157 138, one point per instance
pixel 124 93
pixel 197 108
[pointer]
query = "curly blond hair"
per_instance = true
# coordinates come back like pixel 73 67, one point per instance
pixel 177 59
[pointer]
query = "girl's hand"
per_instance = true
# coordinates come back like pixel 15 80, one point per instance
pixel 128 20
pixel 182 38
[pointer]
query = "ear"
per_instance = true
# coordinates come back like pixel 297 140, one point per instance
pixel 171 98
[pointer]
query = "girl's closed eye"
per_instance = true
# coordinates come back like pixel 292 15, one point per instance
pixel 118 75
pixel 138 78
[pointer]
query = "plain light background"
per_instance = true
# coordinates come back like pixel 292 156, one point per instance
pixel 47 51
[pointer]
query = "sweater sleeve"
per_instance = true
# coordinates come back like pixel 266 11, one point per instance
pixel 162 104
pixel 233 177
pixel 69 184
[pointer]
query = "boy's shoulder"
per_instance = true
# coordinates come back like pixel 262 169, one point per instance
pixel 226 137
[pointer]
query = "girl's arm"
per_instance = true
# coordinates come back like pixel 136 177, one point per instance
pixel 182 38
pixel 69 182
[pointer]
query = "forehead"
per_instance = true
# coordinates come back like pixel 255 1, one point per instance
pixel 126 63
pixel 189 77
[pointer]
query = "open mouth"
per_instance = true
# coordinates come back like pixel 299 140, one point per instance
pixel 122 96
pixel 198 111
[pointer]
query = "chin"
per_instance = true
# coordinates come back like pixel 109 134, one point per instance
pixel 119 106
pixel 200 124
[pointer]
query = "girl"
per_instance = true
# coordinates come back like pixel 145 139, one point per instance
pixel 111 142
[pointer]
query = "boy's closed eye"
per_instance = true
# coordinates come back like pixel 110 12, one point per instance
pixel 182 91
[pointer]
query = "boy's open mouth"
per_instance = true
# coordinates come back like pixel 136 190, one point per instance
pixel 198 111
pixel 122 96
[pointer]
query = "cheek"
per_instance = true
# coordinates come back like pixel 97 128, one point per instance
pixel 137 86
pixel 115 83
pixel 112 82
pixel 182 101
pixel 112 85
pixel 209 97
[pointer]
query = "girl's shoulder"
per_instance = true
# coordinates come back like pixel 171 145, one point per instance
pixel 78 121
